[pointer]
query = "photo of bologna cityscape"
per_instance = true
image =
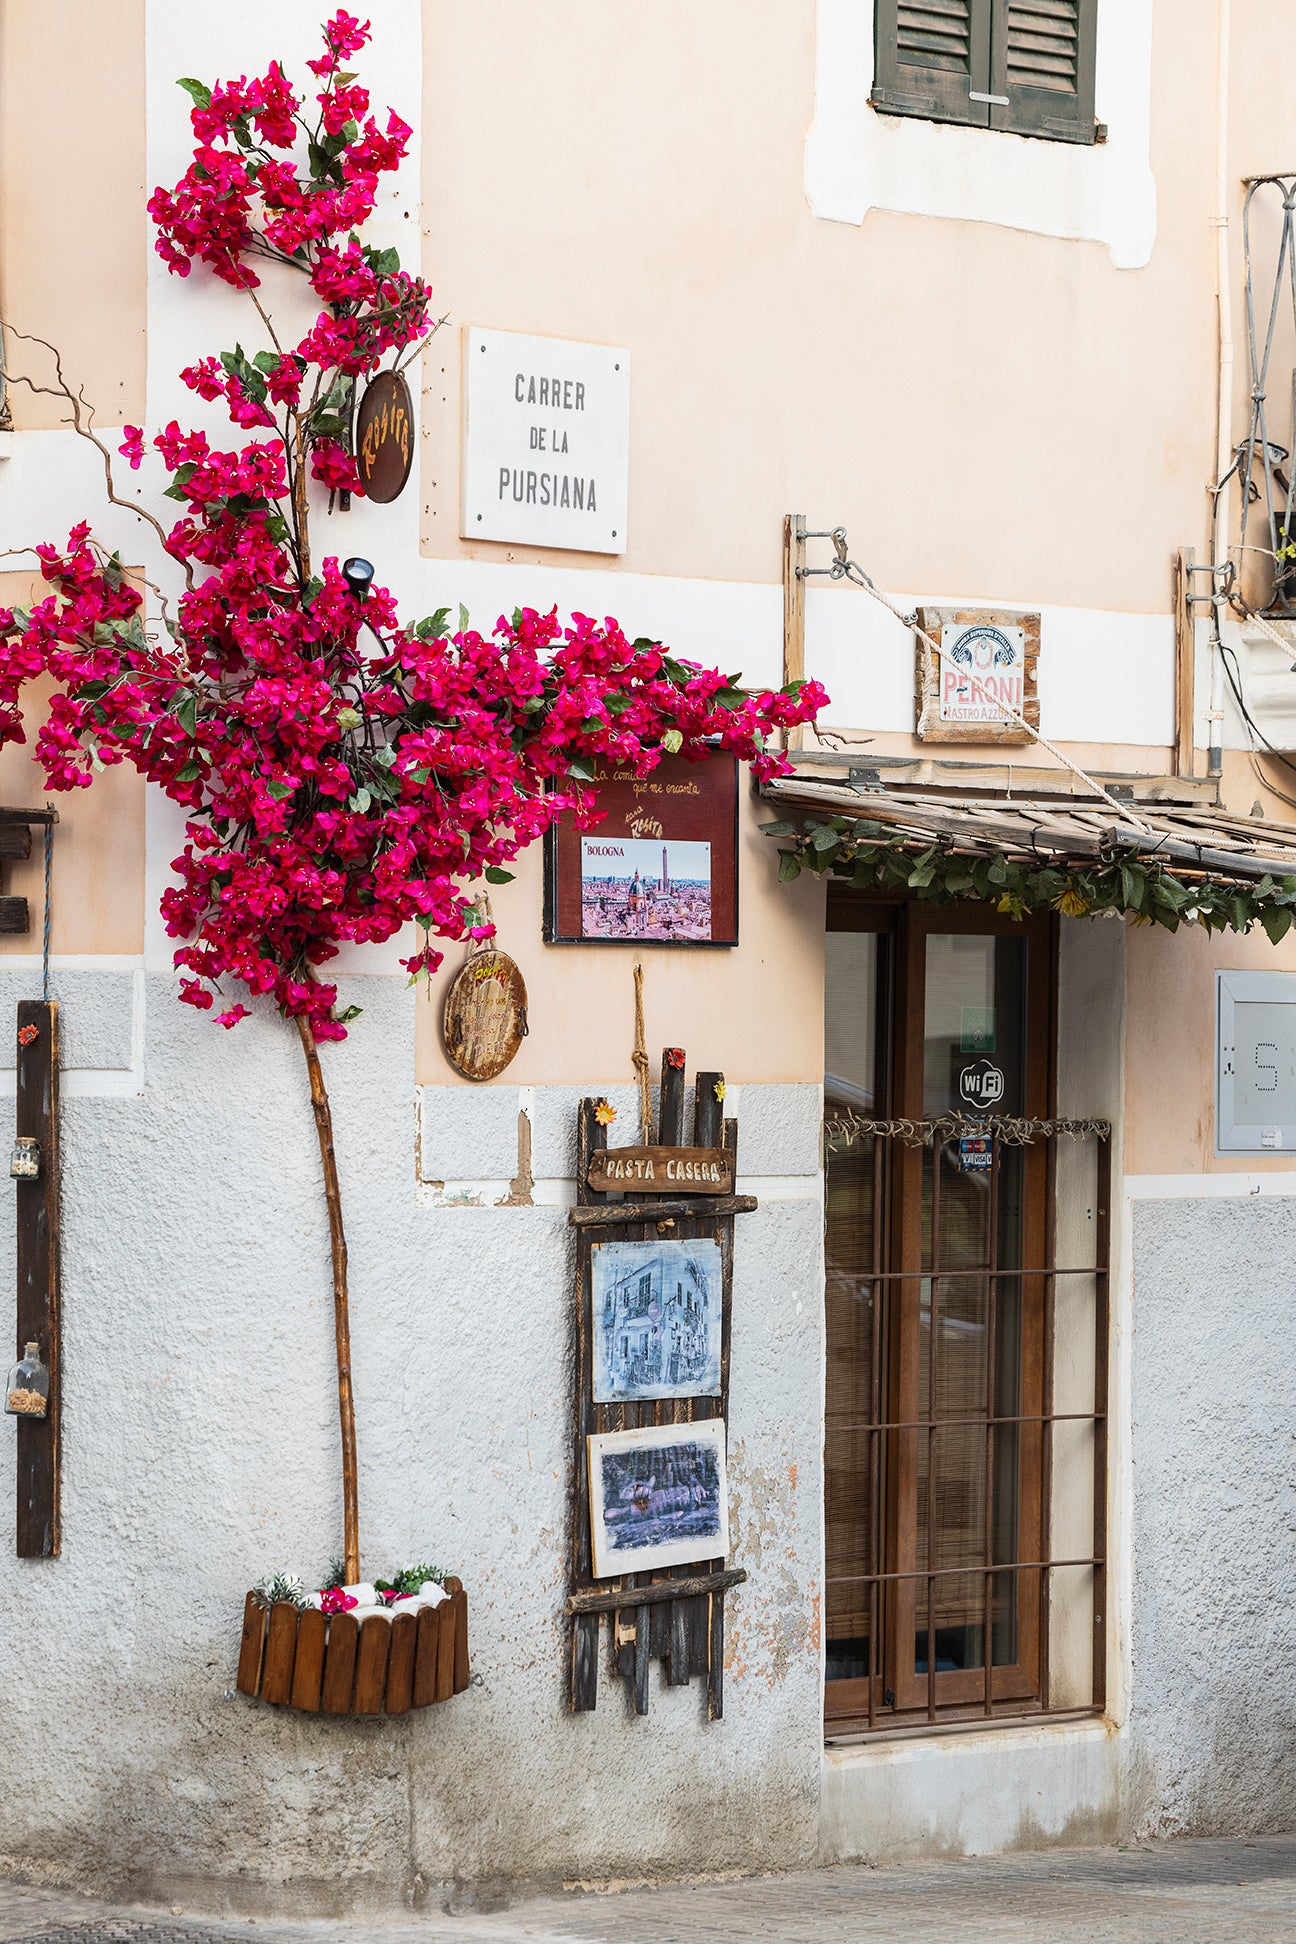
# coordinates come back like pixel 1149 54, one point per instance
pixel 641 887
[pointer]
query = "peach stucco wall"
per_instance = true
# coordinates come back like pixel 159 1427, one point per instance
pixel 755 1011
pixel 73 232
pixel 987 411
pixel 98 865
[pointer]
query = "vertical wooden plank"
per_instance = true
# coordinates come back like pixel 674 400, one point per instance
pixel 280 1652
pixel 1185 663
pixel 643 1644
pixel 427 1654
pixel 371 1665
pixel 708 1109
pixel 794 528
pixel 462 1669
pixel 400 1662
pixel 252 1647
pixel 670 1125
pixel 308 1668
pixel 39 1321
pixel 679 1657
pixel 339 1664
pixel 591 1136
pixel 715 1659
pixel 445 1651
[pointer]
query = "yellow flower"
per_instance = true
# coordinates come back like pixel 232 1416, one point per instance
pixel 1010 905
pixel 1071 904
pixel 605 1113
pixel 719 1090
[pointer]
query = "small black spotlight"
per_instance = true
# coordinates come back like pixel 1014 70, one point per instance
pixel 358 575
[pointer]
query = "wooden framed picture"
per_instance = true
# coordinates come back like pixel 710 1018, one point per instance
pixel 660 867
pixel 988 657
pixel 656 1310
pixel 658 1497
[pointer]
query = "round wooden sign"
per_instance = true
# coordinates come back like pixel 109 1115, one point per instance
pixel 384 437
pixel 485 1015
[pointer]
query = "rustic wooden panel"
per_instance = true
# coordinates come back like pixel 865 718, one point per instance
pixel 666 1170
pixel 15 919
pixel 371 1665
pixel 248 1680
pixel 308 1668
pixel 38 1254
pixel 427 1655
pixel 280 1652
pixel 339 1664
pixel 400 1663
pixel 930 728
pixel 15 840
pixel 715 1660
pixel 485 1017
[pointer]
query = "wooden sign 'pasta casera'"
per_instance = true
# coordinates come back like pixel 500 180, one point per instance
pixel 485 1018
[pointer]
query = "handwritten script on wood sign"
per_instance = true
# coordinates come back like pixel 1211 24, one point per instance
pixel 384 437
pixel 662 1170
pixel 485 1015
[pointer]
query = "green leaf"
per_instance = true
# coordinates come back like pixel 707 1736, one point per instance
pixel 280 790
pixel 347 1014
pixel 360 801
pixel 198 91
pixel 433 626
pixel 824 838
pixel 673 741
pixel 189 774
pixel 1277 922
pixel 463 618
pixel 780 829
pixel 582 767
pixel 1240 913
pixel 495 875
pixel 789 867
pixel 998 870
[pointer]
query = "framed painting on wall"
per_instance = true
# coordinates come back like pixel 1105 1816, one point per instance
pixel 658 1497
pixel 659 868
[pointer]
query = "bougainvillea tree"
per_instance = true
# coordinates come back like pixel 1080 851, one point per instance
pixel 344 773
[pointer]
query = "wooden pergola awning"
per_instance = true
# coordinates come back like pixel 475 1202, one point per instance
pixel 1041 830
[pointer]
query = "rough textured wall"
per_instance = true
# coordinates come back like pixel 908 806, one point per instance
pixel 201 1449
pixel 1214 1414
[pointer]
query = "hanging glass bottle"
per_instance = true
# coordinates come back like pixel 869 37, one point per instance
pixel 27 1394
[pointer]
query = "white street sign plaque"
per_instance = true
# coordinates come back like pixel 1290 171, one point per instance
pixel 546 449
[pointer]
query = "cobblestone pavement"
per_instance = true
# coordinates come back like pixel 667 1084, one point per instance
pixel 1183 1893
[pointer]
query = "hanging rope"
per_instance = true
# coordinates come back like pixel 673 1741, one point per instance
pixel 640 1059
pixel 45 947
pixel 843 568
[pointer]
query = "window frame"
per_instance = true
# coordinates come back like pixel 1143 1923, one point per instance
pixel 894 1695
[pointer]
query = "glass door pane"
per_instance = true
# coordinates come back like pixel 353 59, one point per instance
pixel 853 1171
pixel 970 1321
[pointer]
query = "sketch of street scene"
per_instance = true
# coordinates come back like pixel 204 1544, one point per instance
pixel 638 887
pixel 656 1320
pixel 658 1497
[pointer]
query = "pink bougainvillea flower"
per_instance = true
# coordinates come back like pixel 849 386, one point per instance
pixel 132 445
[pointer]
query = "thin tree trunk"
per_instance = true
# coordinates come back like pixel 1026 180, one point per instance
pixel 341 1319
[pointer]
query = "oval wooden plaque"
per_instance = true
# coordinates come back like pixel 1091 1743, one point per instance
pixel 485 1018
pixel 384 437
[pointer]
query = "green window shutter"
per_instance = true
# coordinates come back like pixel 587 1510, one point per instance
pixel 1042 62
pixel 933 59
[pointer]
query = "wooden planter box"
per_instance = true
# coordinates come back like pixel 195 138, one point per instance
pixel 297 1657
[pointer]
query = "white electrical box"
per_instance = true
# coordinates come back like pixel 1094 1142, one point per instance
pixel 1255 1063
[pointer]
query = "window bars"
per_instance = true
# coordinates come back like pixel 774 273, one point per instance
pixel 954 1613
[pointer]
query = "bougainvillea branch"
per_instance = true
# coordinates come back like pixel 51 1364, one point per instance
pixel 344 773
